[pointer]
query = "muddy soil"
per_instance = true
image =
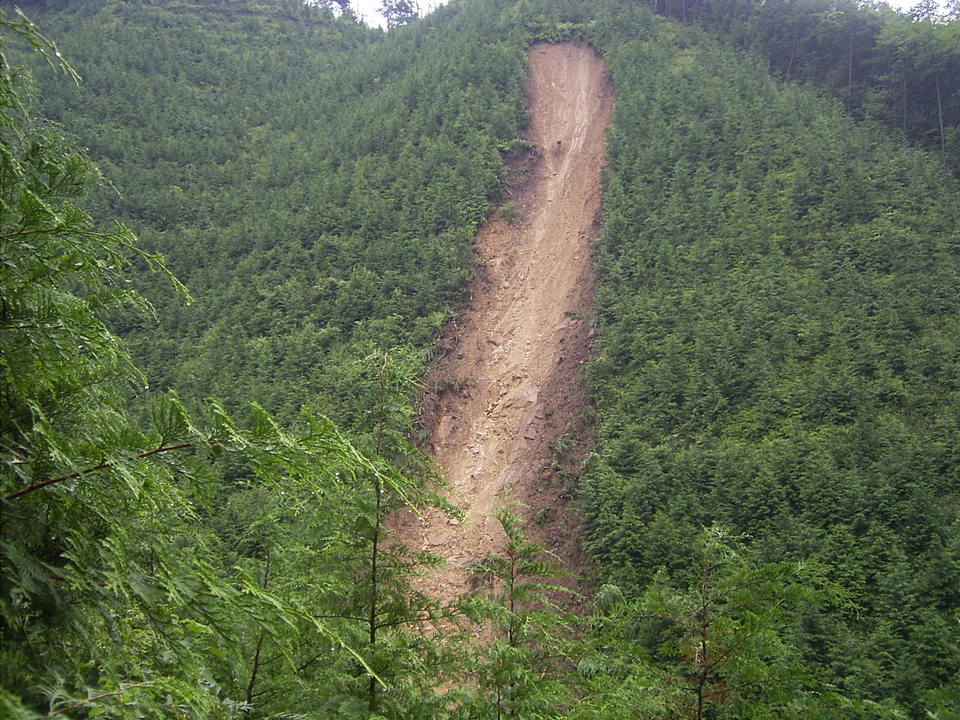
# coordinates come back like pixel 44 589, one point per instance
pixel 508 391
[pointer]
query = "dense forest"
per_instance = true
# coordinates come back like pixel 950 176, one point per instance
pixel 232 234
pixel 900 69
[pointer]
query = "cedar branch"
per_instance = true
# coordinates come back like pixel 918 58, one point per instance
pixel 95 468
pixel 118 691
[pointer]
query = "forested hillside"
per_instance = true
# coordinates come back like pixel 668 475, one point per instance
pixel 771 503
pixel 902 69
pixel 318 203
pixel 778 317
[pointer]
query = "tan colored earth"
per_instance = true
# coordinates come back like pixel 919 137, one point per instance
pixel 508 388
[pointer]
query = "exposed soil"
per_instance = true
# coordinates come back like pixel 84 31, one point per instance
pixel 508 389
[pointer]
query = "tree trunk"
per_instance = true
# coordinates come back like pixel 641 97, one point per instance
pixel 793 53
pixel 904 103
pixel 374 595
pixel 255 666
pixel 375 540
pixel 850 75
pixel 943 142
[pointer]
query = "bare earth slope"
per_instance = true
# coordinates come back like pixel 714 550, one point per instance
pixel 510 381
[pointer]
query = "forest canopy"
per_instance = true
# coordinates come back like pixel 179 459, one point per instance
pixel 251 217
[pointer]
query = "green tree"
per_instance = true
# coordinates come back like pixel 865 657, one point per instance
pixel 399 12
pixel 115 596
pixel 721 645
pixel 519 673
pixel 387 614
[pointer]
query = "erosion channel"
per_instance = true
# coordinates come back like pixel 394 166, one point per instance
pixel 508 388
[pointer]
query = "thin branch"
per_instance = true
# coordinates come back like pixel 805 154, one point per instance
pixel 99 697
pixel 24 326
pixel 303 666
pixel 727 652
pixel 95 468
pixel 57 230
pixel 337 616
pixel 416 619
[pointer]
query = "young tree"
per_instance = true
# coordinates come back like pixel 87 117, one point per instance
pixel 519 674
pixel 387 610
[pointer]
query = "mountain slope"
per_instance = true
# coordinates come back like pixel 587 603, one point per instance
pixel 316 185
pixel 510 385
pixel 776 301
pixel 778 312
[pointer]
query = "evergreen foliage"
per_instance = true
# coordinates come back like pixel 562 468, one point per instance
pixel 901 69
pixel 521 671
pixel 193 569
pixel 721 646
pixel 316 186
pixel 778 314
pixel 778 354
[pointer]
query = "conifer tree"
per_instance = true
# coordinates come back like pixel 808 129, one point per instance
pixel 399 12
pixel 117 596
pixel 719 646
pixel 519 673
